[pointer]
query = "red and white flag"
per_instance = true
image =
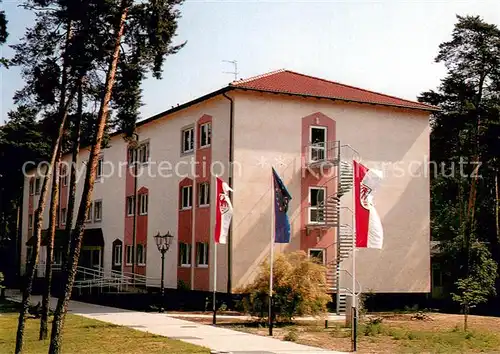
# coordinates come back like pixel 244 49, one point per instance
pixel 369 232
pixel 223 211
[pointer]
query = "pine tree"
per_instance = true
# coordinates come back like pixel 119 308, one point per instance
pixel 465 139
pixel 3 34
pixel 142 36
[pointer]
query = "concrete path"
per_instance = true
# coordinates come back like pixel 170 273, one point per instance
pixel 216 338
pixel 331 316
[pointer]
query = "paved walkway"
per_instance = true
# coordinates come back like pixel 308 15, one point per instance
pixel 216 338
pixel 331 316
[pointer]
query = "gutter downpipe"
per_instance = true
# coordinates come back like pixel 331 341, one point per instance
pixel 230 182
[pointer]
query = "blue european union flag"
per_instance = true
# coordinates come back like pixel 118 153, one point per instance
pixel 281 200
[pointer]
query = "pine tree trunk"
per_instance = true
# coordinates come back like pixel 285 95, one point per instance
pixel 72 183
pixel 37 232
pixel 466 317
pixel 54 205
pixel 497 206
pixel 62 304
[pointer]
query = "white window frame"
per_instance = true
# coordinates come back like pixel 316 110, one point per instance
pixel 187 204
pixel 191 136
pixel 143 153
pixel 130 199
pixel 99 169
pixel 204 194
pixel 322 250
pixel 38 183
pixel 143 204
pixel 118 254
pixel 310 208
pixel 317 148
pixel 29 253
pixel 141 261
pixel 128 252
pixel 131 155
pixel 187 255
pixel 30 221
pixel 90 216
pixel 64 216
pixel 97 217
pixel 31 186
pixel 58 251
pixel 205 128
pixel 202 254
pixel 64 176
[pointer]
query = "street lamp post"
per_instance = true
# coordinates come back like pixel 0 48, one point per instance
pixel 163 243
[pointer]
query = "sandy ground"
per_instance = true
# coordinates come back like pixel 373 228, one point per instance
pixel 339 338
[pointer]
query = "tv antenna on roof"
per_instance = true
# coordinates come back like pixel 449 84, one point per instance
pixel 235 72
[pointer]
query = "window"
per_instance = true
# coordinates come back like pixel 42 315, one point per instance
pixel 186 195
pixel 143 153
pixel 131 155
pixel 205 134
pixel 96 258
pixel 32 186
pixel 89 214
pixel 117 256
pixel 130 206
pixel 100 166
pixel 187 140
pixel 202 254
pixel 30 221
pixel 316 205
pixel 97 210
pixel 143 204
pixel 128 259
pixel 30 225
pixel 141 255
pixel 64 176
pixel 63 216
pixel 38 185
pixel 317 255
pixel 29 253
pixel 318 144
pixel 437 276
pixel 203 194
pixel 57 256
pixel 184 254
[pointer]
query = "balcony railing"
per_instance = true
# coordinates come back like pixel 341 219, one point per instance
pixel 323 154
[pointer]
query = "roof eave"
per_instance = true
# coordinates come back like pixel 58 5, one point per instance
pixel 427 109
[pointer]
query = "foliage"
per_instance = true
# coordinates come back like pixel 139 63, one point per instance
pixel 291 336
pixel 465 140
pixel 480 284
pixel 3 34
pixel 299 288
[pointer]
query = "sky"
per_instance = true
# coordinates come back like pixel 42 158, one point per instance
pixel 385 46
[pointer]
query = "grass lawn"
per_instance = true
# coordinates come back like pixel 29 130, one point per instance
pixel 82 335
pixel 397 333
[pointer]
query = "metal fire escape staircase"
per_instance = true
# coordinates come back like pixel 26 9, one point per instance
pixel 332 214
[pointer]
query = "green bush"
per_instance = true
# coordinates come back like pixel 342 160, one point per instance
pixel 299 288
pixel 372 329
pixel 291 336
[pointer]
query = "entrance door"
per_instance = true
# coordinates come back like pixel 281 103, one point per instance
pixel 90 257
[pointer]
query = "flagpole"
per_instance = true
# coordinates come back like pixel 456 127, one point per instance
pixel 271 259
pixel 214 301
pixel 214 295
pixel 354 323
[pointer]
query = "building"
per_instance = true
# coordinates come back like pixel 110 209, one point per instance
pixel 299 124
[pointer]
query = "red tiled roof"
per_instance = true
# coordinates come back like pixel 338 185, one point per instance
pixel 289 82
